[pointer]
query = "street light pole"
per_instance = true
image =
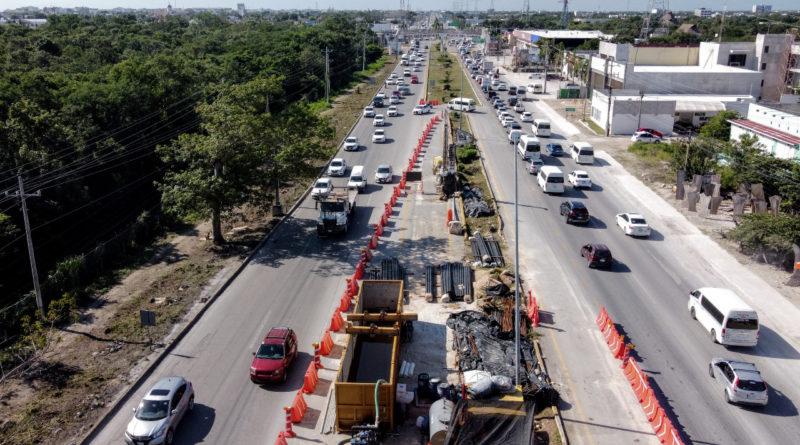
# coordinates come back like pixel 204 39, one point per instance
pixel 516 272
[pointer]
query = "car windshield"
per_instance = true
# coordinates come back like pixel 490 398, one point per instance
pixel 328 207
pixel 555 147
pixel 638 221
pixel 152 409
pixel 351 139
pixel 749 324
pixel 383 170
pixel 580 210
pixel 336 163
pixel 602 253
pixel 270 352
pixel 582 176
pixel 321 184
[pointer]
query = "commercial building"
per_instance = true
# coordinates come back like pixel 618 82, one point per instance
pixel 776 126
pixel 758 69
pixel 762 8
pixel 702 12
pixel 625 111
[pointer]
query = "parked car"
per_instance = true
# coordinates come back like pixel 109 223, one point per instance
pixel 527 117
pixel 384 174
pixel 574 211
pixel 633 224
pixel 740 381
pixel 652 131
pixel 322 188
pixel 597 255
pixel 534 165
pixel 378 137
pixel 643 136
pixel 351 143
pixel 369 111
pixel 422 109
pixel 378 121
pixel 579 179
pixel 160 411
pixel 337 167
pixel 554 149
pixel 274 356
pixel 392 111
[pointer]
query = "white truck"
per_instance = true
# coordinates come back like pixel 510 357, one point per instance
pixel 335 212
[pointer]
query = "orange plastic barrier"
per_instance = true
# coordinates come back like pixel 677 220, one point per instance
pixel 282 438
pixel 344 303
pixel 650 405
pixel 373 242
pixel 336 320
pixel 288 432
pixel 299 407
pixel 326 344
pixel 378 229
pixel 602 319
pixel 310 379
pixel 317 360
pixel 354 287
pixel 366 254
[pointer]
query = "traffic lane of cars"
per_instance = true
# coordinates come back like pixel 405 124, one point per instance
pixel 609 217
pixel 221 326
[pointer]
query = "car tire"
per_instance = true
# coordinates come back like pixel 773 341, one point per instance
pixel 714 335
pixel 285 376
pixel 169 437
pixel 693 314
pixel 191 403
pixel 728 398
pixel 711 370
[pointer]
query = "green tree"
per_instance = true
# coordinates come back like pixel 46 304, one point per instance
pixel 718 126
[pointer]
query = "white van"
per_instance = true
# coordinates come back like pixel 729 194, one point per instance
pixel 582 152
pixel 357 178
pixel 728 319
pixel 551 179
pixel 461 104
pixel 529 147
pixel 535 88
pixel 541 127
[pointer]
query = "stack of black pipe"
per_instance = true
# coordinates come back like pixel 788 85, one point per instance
pixel 389 270
pixel 456 280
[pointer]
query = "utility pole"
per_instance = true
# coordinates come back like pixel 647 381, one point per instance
pixel 34 271
pixel 546 60
pixel 608 112
pixel 516 272
pixel 277 209
pixel 327 76
pixel 641 98
pixel 722 22
pixel 461 94
pixel 364 53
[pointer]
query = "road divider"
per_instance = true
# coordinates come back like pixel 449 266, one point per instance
pixel 326 345
pixel 299 407
pixel 664 429
pixel 310 379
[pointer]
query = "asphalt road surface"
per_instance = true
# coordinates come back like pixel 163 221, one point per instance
pixel 295 280
pixel 646 294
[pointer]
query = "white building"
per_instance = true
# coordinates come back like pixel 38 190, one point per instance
pixel 776 126
pixel 630 110
pixel 702 12
pixel 762 8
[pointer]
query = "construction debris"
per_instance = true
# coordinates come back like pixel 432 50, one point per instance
pixel 474 205
pixel 456 282
pixel 486 251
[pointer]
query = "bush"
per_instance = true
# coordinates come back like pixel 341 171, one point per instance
pixel 767 234
pixel 466 154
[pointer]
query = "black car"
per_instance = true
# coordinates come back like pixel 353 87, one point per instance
pixel 512 91
pixel 574 212
pixel 377 102
pixel 512 100
pixel 491 93
pixel 597 255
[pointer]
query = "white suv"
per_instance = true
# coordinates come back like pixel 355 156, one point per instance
pixel 369 111
pixel 160 411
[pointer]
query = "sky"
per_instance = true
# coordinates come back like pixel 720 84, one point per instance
pixel 500 5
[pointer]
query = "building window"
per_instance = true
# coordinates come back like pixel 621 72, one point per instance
pixel 737 60
pixel 766 49
pixel 762 82
pixel 763 66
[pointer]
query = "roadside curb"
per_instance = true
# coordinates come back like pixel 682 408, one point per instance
pixel 556 414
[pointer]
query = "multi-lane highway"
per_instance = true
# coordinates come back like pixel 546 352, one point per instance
pixel 295 280
pixel 645 293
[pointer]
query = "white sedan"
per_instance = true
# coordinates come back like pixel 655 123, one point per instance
pixel 337 167
pixel 633 224
pixel 378 121
pixel 322 188
pixel 351 144
pixel 643 136
pixel 392 111
pixel 379 137
pixel 579 178
pixel 421 109
pixel 527 117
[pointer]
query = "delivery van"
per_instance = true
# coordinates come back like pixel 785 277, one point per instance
pixel 529 147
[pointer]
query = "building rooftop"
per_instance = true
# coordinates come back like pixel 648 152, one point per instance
pixel 767 131
pixel 695 69
pixel 568 34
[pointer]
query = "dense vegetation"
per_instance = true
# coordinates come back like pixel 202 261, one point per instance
pixel 128 125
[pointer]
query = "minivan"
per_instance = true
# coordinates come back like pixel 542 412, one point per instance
pixel 529 147
pixel 461 104
pixel 728 319
pixel 551 179
pixel 535 88
pixel 357 179
pixel 582 152
pixel 541 127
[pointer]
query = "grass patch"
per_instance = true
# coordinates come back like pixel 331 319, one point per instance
pixel 445 70
pixel 654 159
pixel 594 127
